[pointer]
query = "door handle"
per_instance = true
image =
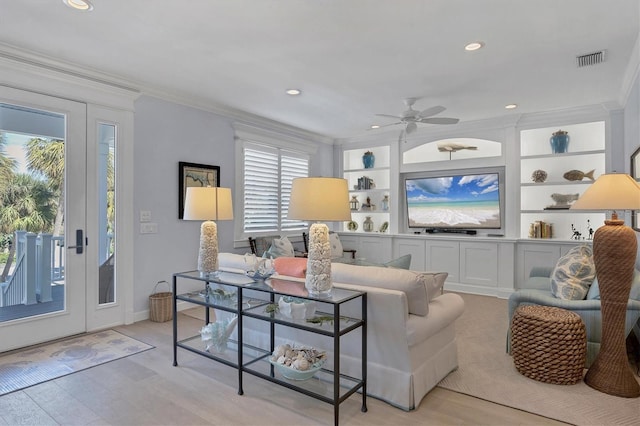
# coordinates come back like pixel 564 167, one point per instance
pixel 79 242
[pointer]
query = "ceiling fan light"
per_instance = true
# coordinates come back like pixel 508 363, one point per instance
pixel 474 46
pixel 411 127
pixel 84 5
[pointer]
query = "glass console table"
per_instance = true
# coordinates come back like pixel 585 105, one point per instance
pixel 247 298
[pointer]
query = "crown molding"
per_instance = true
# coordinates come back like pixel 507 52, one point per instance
pixel 631 74
pixel 569 115
pixel 48 67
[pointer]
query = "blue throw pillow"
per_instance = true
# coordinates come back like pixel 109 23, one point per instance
pixel 403 262
pixel 594 291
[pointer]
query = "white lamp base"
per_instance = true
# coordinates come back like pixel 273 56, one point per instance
pixel 318 281
pixel 208 253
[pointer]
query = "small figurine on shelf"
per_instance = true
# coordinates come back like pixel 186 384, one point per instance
pixel 368 206
pixel 590 229
pixel 576 234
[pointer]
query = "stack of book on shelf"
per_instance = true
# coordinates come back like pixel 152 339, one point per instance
pixel 540 229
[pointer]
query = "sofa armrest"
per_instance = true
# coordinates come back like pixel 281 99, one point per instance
pixel 545 298
pixel 541 271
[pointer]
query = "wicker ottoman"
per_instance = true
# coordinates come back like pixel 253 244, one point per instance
pixel 548 344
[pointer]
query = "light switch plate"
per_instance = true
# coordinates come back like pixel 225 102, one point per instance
pixel 145 215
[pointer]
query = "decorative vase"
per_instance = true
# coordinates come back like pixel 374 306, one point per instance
pixel 385 203
pixel 367 225
pixel 368 159
pixel 559 142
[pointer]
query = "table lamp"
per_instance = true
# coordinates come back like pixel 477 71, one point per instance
pixel 614 255
pixel 208 203
pixel 319 199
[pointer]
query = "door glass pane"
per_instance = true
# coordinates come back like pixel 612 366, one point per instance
pixel 106 213
pixel 32 255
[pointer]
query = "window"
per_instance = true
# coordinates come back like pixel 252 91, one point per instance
pixel 268 173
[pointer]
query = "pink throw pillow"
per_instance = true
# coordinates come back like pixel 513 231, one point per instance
pixel 291 266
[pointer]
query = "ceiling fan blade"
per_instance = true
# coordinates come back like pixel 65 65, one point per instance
pixel 390 116
pixel 440 120
pixel 432 111
pixel 411 127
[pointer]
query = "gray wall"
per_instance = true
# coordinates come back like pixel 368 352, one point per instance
pixel 166 133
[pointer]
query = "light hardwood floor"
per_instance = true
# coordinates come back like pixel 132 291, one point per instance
pixel 145 389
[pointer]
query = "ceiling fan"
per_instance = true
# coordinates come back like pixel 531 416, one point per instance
pixel 411 117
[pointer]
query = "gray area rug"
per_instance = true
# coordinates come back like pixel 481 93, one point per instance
pixel 38 364
pixel 487 372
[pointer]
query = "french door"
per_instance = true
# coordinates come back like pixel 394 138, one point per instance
pixel 61 270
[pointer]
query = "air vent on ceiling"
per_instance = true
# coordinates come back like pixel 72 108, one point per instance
pixel 590 59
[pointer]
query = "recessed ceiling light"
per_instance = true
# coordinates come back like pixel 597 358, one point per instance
pixel 474 46
pixel 375 126
pixel 84 5
pixel 511 106
pixel 293 92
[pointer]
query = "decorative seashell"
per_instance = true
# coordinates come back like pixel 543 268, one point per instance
pixel 282 360
pixel 300 364
pixel 539 176
pixel 288 362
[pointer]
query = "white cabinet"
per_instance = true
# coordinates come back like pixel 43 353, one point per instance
pixel 444 256
pixel 479 267
pixel 413 246
pixel 542 201
pixel 538 254
pixel 479 264
pixel 374 248
pixel 371 187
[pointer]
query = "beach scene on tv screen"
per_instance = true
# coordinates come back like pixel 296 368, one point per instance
pixel 465 201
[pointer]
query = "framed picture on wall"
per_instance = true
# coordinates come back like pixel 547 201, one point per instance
pixel 193 174
pixel 635 173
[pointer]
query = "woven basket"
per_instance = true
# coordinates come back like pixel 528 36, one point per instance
pixel 160 309
pixel 548 344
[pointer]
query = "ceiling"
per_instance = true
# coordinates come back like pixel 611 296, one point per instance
pixel 352 59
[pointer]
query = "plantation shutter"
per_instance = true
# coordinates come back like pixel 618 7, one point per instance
pixel 291 166
pixel 268 174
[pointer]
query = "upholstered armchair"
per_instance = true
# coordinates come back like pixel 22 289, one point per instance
pixel 538 292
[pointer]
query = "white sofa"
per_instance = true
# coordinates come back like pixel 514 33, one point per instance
pixel 411 333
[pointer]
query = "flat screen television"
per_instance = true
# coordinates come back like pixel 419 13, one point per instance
pixel 454 201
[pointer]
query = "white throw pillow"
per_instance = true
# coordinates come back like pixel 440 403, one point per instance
pixel 410 282
pixel 280 247
pixel 336 245
pixel 574 273
pixel 434 282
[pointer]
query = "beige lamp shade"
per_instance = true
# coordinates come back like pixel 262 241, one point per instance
pixel 319 199
pixel 208 203
pixel 611 191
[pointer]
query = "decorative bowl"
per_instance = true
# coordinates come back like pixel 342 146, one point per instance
pixel 293 374
pixel 259 276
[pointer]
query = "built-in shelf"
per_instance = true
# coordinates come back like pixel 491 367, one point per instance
pixel 586 152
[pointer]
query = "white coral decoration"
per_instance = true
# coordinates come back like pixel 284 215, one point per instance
pixel 318 279
pixel 208 253
pixel 216 335
pixel 300 359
